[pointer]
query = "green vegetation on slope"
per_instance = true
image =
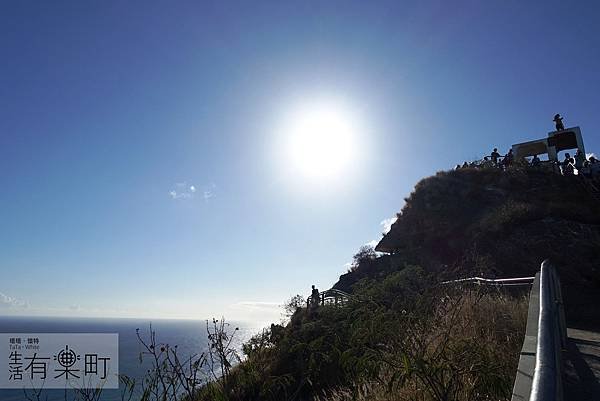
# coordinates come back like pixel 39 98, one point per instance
pixel 401 338
pixel 404 336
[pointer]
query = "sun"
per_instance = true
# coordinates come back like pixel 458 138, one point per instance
pixel 321 140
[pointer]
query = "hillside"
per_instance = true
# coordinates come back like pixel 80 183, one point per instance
pixel 402 335
pixel 498 224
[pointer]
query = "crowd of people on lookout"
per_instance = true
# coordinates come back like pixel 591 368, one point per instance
pixel 580 163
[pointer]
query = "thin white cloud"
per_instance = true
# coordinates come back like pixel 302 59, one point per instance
pixel 373 243
pixel 209 192
pixel 183 191
pixel 257 305
pixel 386 224
pixel 179 195
pixel 11 302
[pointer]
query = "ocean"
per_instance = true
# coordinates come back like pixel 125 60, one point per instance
pixel 189 335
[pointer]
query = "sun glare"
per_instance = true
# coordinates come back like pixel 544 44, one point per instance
pixel 321 140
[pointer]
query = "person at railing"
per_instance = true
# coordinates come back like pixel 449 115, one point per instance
pixel 314 297
pixel 567 165
pixel 535 162
pixel 508 159
pixel 579 159
pixel 495 156
pixel 586 170
pixel 594 167
pixel 591 168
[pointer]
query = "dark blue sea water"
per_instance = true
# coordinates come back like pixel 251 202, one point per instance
pixel 189 335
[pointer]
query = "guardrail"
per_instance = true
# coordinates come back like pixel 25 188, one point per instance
pixel 330 297
pixel 504 282
pixel 539 375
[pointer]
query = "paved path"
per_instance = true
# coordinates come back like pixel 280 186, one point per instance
pixel 582 366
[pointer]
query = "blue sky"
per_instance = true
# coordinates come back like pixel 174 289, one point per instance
pixel 111 112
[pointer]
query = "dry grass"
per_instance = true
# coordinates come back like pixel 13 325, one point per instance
pixel 467 350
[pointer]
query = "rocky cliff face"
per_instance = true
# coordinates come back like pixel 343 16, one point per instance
pixel 498 224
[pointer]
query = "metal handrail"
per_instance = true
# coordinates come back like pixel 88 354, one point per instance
pixel 539 375
pixel 547 377
pixel 337 296
pixel 498 281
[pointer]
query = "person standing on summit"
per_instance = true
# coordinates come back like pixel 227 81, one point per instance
pixel 558 121
pixel 495 156
pixel 314 297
